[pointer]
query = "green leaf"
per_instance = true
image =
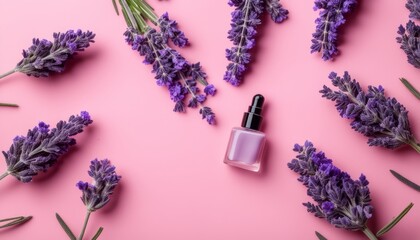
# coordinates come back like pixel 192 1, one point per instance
pixel 65 227
pixel 394 221
pixel 410 88
pixel 320 237
pixel 15 221
pixel 115 7
pixel 405 181
pixel 98 233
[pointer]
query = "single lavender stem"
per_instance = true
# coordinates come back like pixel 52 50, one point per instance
pixel 5 174
pixel 84 225
pixel 8 73
pixel 369 234
pixel 8 105
pixel 415 146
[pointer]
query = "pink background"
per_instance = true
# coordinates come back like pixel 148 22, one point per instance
pixel 174 184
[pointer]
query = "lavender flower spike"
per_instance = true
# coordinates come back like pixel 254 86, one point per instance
pixel 342 201
pixel 105 179
pixel 45 57
pixel 382 119
pixel 96 195
pixel 331 17
pixel 42 147
pixel 410 42
pixel 245 19
pixel 414 7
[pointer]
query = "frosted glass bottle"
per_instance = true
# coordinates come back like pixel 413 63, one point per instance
pixel 246 144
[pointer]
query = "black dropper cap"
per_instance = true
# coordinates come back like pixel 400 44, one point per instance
pixel 252 119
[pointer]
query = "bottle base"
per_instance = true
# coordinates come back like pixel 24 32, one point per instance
pixel 254 167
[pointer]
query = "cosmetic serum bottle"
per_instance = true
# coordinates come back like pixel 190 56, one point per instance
pixel 246 143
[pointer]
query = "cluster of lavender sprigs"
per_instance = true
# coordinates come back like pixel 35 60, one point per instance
pixel 171 69
pixel 342 201
pixel 409 36
pixel 331 18
pixel 245 19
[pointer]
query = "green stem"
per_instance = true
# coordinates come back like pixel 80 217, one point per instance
pixel 8 105
pixel 369 234
pixel 5 174
pixel 8 73
pixel 415 146
pixel 84 225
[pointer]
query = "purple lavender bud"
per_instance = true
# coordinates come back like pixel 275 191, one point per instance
pixel 208 114
pixel 414 7
pixel 342 201
pixel 277 13
pixel 201 98
pixel 384 120
pixel 45 57
pixel 105 179
pixel 177 92
pixel 170 30
pixel 331 17
pixel 210 90
pixel 42 147
pixel 410 42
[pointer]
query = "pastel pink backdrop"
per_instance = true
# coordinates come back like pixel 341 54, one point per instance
pixel 174 183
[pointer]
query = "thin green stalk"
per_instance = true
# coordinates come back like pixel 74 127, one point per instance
pixel 8 105
pixel 415 146
pixel 369 234
pixel 8 73
pixel 14 221
pixel 84 225
pixel 410 87
pixel 5 174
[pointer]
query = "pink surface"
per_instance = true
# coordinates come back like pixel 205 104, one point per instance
pixel 175 185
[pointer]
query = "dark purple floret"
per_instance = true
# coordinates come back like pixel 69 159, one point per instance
pixel 210 90
pixel 277 13
pixel 45 57
pixel 170 30
pixel 42 147
pixel 171 69
pixel 410 42
pixel 331 17
pixel 105 179
pixel 208 114
pixel 245 18
pixel 414 7
pixel 342 201
pixel 384 120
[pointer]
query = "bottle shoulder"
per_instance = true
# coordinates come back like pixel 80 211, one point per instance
pixel 247 130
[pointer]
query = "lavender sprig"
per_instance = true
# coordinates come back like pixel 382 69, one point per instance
pixel 96 195
pixel 171 69
pixel 414 7
pixel 342 201
pixel 42 147
pixel 382 119
pixel 245 19
pixel 331 17
pixel 45 57
pixel 410 42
